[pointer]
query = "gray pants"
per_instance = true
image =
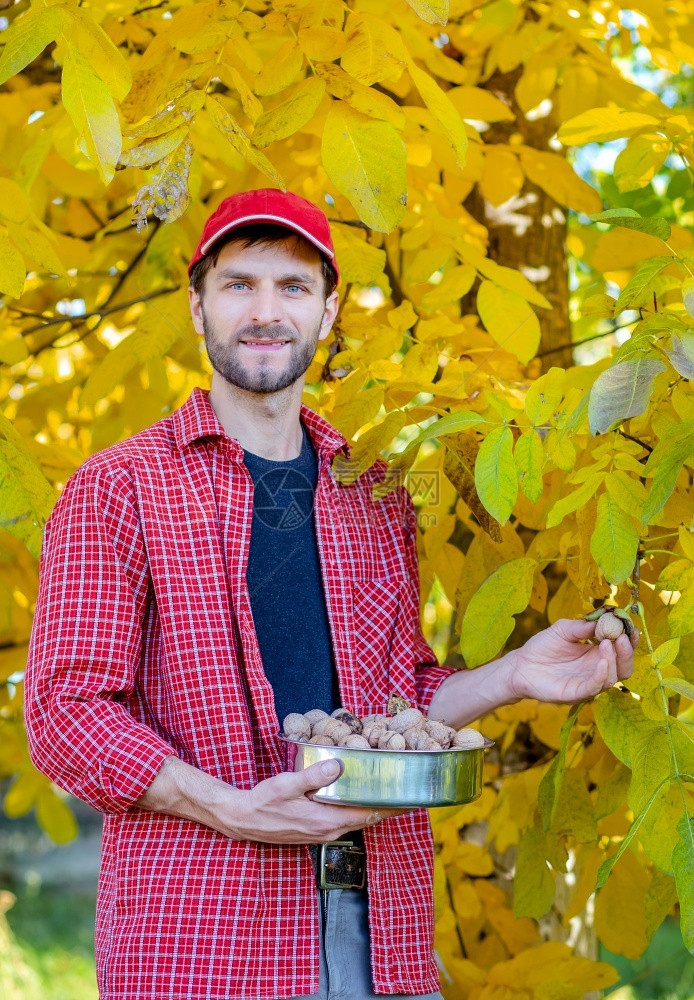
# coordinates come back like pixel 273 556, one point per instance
pixel 345 972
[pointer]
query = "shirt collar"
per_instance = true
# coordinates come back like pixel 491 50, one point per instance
pixel 196 419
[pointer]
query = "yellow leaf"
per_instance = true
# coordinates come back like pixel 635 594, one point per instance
pixel 55 817
pixel 365 99
pixel 288 117
pixel 230 128
pixel 488 619
pixel 365 160
pixel 27 37
pixel 603 124
pixel 404 317
pixel 555 175
pixel 448 119
pixel 374 50
pixel 640 161
pixel 321 43
pixel 455 283
pixel 249 102
pixel 431 11
pixel 37 248
pixel 544 396
pixel 615 540
pixel 509 320
pixel 103 56
pixel 623 893
pixel 502 178
pixel 12 269
pixel 473 859
pixel 176 113
pixel 360 262
pixel 278 72
pixel 478 104
pixel 93 113
pixel 537 81
pixel 153 150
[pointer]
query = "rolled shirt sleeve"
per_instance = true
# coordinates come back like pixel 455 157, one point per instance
pixel 86 646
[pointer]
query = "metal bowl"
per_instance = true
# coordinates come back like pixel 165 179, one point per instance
pixel 394 778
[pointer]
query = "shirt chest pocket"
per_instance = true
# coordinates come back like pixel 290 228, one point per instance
pixel 376 606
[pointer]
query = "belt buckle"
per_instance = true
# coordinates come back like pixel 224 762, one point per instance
pixel 342 865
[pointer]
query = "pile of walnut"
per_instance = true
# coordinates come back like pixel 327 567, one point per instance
pixel 409 729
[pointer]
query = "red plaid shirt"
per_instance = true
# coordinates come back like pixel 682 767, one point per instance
pixel 144 646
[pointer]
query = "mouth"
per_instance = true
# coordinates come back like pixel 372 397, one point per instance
pixel 265 345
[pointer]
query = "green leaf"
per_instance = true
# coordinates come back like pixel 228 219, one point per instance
pixel 495 474
pixel 27 496
pixel 683 866
pixel 548 791
pixel 452 423
pixel 680 686
pixel 666 653
pixel 488 620
pixel 626 491
pixel 637 289
pixel 27 37
pixel 533 883
pixel 93 113
pixel 529 458
pixel 682 355
pixel 365 160
pixel 621 391
pixel 627 218
pixel 688 295
pixel 607 866
pixel 652 765
pixel 614 541
pixel 581 496
pixel 621 722
pixel 666 460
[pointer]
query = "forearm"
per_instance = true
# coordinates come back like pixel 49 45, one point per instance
pixel 189 793
pixel 468 694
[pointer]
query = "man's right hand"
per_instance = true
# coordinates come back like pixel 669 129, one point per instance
pixel 279 810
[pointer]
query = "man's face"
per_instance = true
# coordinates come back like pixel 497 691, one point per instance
pixel 263 312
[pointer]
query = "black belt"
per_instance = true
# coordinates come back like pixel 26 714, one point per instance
pixel 340 864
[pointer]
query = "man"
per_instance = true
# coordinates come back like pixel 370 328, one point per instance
pixel 203 578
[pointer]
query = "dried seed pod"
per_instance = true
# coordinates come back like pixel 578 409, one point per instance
pixel 440 732
pixel 608 627
pixel 356 742
pixel 315 714
pixel 342 715
pixel 467 739
pixel 296 725
pixel 333 728
pixel 372 732
pixel 391 741
pixel 322 741
pixel 406 719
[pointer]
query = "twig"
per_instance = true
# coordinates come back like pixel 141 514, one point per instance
pixel 76 320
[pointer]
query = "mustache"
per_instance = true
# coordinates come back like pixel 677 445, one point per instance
pixel 276 331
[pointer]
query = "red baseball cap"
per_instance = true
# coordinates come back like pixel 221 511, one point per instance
pixel 267 205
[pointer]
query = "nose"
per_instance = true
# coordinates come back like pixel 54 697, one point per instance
pixel 265 307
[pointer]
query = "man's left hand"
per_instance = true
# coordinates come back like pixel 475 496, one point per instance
pixel 555 665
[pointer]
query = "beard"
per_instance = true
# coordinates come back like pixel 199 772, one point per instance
pixel 261 376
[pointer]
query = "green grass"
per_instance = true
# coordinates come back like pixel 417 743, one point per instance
pixel 55 932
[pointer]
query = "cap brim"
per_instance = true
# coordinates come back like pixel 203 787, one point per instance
pixel 247 220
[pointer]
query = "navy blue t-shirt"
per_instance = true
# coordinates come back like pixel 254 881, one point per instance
pixel 286 586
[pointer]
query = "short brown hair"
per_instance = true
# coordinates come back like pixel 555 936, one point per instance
pixel 252 236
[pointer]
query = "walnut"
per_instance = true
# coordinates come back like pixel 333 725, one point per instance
pixel 296 725
pixel 611 622
pixel 391 741
pixel 467 739
pixel 376 717
pixel 417 739
pixel 333 728
pixel 315 714
pixel 322 741
pixel 440 732
pixel 373 731
pixel 406 720
pixel 342 715
pixel 356 742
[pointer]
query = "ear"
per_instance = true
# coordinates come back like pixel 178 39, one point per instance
pixel 196 310
pixel 332 304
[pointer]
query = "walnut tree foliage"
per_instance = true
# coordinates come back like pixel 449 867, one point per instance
pixel 436 137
